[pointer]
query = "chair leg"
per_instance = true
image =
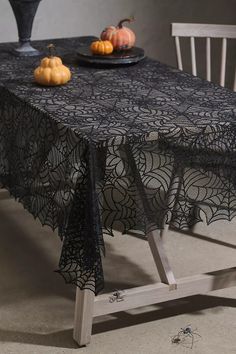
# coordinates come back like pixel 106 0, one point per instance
pixel 83 316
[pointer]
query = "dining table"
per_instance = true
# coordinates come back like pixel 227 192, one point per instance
pixel 137 147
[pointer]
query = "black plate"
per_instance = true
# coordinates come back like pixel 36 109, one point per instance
pixel 130 56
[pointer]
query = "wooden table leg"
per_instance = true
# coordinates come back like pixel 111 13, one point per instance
pixel 83 316
pixel 161 260
pixel 154 237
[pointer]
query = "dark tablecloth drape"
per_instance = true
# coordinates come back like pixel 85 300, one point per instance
pixel 128 147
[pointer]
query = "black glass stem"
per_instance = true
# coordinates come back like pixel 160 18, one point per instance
pixel 24 11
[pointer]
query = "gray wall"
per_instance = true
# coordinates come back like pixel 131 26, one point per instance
pixel 64 18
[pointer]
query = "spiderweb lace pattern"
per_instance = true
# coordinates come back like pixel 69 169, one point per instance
pixel 130 147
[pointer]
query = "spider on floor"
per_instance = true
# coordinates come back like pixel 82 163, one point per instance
pixel 183 334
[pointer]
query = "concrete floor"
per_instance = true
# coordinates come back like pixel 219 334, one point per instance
pixel 36 307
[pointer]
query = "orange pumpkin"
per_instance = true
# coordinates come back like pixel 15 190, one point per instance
pixel 51 71
pixel 101 47
pixel 121 37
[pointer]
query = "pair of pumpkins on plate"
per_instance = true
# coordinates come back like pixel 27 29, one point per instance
pixel 52 72
pixel 114 38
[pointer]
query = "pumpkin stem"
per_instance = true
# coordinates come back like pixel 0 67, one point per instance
pixel 130 19
pixel 51 47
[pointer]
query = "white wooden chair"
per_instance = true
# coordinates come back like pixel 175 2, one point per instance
pixel 207 31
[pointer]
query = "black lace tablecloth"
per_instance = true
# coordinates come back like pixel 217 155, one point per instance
pixel 129 147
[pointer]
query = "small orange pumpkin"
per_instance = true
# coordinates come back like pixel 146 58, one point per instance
pixel 101 47
pixel 51 71
pixel 121 37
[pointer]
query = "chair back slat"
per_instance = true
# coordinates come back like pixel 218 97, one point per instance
pixel 178 53
pixel 193 56
pixel 208 31
pixel 223 61
pixel 208 58
pixel 203 30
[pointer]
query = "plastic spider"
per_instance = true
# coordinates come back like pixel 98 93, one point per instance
pixel 185 332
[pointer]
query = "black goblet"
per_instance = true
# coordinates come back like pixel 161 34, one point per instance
pixel 24 11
